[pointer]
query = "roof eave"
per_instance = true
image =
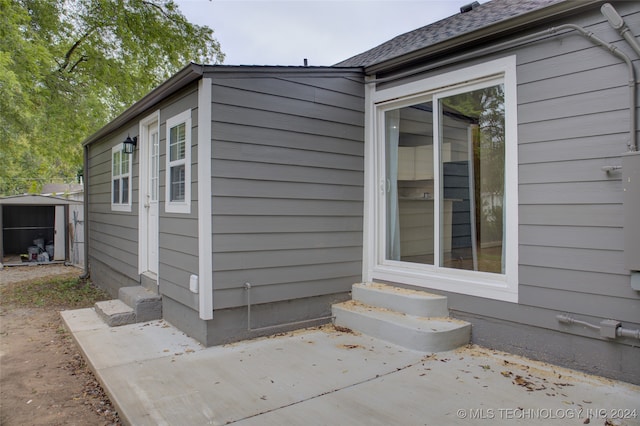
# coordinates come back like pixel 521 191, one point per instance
pixel 181 79
pixel 490 32
pixel 37 200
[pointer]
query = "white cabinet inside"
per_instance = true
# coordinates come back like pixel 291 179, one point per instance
pixel 416 162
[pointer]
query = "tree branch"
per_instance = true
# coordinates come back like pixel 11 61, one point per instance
pixel 157 6
pixel 83 58
pixel 67 56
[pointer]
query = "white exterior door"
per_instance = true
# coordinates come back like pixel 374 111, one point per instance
pixel 149 193
pixel 151 205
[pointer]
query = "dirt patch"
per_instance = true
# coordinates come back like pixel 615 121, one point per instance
pixel 45 380
pixel 13 274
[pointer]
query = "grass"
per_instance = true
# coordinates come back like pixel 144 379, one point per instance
pixel 59 292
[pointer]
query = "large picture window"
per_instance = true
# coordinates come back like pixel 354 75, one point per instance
pixel 178 188
pixel 447 207
pixel 120 179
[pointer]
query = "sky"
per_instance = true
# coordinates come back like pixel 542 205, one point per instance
pixel 285 32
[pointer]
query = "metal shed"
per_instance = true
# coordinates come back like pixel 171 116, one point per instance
pixel 25 219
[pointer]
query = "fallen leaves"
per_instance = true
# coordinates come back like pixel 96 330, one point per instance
pixel 529 385
pixel 343 329
pixel 350 346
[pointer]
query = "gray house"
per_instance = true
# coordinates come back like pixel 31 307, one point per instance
pixel 491 157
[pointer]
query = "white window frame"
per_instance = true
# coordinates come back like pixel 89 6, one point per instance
pixel 375 266
pixel 183 206
pixel 120 206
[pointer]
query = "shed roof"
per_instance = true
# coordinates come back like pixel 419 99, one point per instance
pixel 491 19
pixel 36 200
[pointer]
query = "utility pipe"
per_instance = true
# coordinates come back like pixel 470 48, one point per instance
pixel 85 199
pixel 617 23
pixel 553 31
pixel 619 331
pixel 633 143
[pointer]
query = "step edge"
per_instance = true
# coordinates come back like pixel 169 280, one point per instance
pixel 380 313
pixel 398 291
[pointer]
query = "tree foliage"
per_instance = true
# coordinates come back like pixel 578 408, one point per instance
pixel 67 67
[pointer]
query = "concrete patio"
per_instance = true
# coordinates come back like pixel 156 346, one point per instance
pixel 156 375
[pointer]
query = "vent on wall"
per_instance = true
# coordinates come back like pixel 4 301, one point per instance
pixel 469 7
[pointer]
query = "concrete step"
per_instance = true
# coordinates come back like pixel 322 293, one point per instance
pixel 412 302
pixel 410 331
pixel 115 312
pixel 146 304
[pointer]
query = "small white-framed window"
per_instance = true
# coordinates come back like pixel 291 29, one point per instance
pixel 120 179
pixel 178 172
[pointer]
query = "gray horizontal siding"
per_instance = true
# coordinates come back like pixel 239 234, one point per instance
pixel 285 207
pixel 573 120
pixel 570 281
pixel 620 308
pixel 230 132
pixel 224 187
pixel 597 124
pixel 269 224
pixel 178 232
pixel 284 240
pixel 604 261
pixel 286 156
pixel 594 148
pixel 593 102
pixel 230 261
pixel 572 215
pixel 322 286
pixel 586 237
pixel 586 193
pixel 293 276
pixel 113 236
pixel 582 170
pixel 287 172
pixel 286 122
pixel 287 186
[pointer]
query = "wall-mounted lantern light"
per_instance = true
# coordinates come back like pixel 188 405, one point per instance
pixel 129 144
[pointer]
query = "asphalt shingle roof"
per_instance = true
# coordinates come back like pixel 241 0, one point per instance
pixel 484 15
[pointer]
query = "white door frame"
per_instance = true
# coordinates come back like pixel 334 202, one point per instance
pixel 143 192
pixel 60 236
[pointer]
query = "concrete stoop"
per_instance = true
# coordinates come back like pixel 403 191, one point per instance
pixel 134 304
pixel 413 319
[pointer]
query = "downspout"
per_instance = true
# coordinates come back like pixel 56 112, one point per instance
pixel 633 142
pixel 85 199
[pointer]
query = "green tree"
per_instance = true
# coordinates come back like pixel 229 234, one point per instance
pixel 67 67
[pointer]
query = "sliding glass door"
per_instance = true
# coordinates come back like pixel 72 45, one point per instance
pixel 445 180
